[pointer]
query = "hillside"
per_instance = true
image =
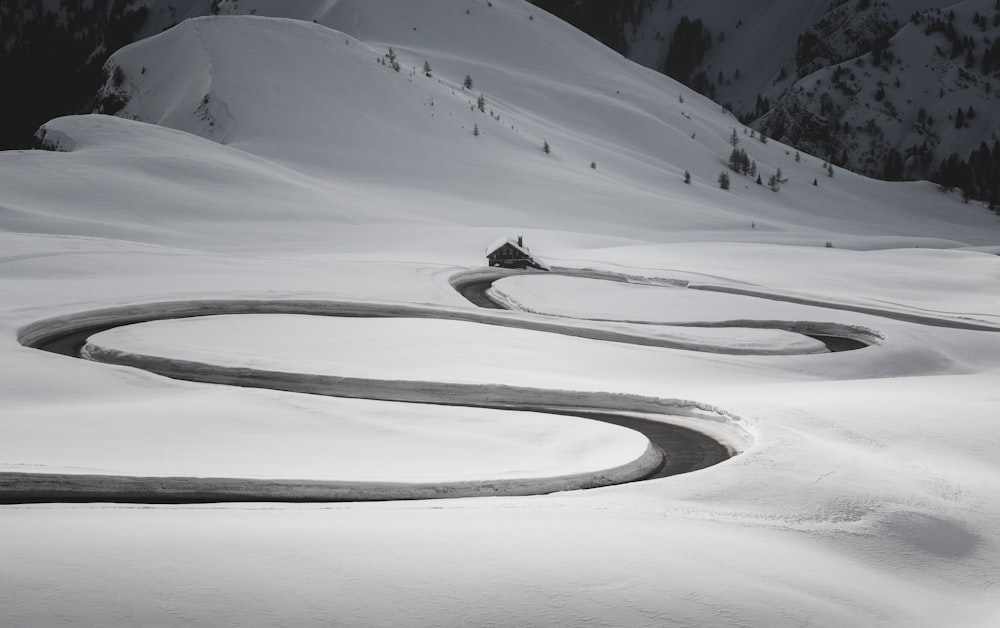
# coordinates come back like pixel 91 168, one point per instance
pixel 590 106
pixel 810 87
pixel 853 81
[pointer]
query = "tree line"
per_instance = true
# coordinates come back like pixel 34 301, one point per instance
pixel 51 62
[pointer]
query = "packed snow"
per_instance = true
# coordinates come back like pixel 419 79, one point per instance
pixel 867 496
pixel 274 435
pixel 437 350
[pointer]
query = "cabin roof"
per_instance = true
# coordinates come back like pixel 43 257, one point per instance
pixel 511 240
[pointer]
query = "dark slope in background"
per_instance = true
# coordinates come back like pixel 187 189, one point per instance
pixel 52 54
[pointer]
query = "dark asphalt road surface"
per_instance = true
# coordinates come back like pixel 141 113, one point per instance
pixel 475 293
pixel 683 449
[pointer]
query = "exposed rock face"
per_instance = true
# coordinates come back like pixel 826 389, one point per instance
pixel 896 89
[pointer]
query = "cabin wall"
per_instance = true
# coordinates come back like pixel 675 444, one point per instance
pixel 508 256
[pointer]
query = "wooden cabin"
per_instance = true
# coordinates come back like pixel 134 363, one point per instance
pixel 509 252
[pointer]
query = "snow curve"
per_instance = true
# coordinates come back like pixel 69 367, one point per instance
pixel 724 433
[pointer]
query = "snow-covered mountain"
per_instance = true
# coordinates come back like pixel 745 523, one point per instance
pixel 620 134
pixel 876 86
pixel 362 154
pixel 832 80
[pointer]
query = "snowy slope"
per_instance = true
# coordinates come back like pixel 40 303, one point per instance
pixel 313 170
pixel 793 74
pixel 588 103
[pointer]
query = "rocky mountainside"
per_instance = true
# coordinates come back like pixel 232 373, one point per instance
pixel 895 89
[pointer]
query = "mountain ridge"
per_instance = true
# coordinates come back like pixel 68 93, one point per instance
pixel 794 89
pixel 788 90
pixel 331 108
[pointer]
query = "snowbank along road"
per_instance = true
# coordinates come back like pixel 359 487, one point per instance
pixel 672 449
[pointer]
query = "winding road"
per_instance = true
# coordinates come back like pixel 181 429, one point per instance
pixel 673 448
pixel 475 286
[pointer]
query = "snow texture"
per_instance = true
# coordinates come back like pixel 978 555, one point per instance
pixel 866 493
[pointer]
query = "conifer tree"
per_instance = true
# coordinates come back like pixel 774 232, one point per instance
pixel 774 181
pixel 734 160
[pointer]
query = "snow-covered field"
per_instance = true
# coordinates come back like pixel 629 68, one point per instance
pixel 280 159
